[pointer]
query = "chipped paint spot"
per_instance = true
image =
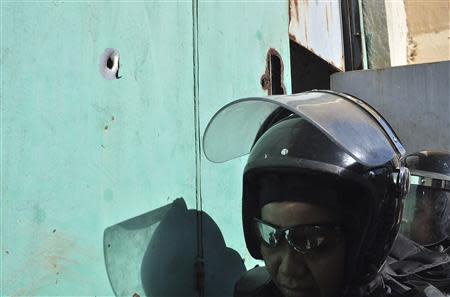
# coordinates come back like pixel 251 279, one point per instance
pixel 273 78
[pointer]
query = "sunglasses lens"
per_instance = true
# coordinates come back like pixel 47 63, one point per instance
pixel 310 238
pixel 267 234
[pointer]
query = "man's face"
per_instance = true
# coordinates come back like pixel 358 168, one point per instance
pixel 318 274
pixel 431 215
pixel 422 223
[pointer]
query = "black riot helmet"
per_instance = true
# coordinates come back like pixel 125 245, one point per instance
pixel 324 137
pixel 426 218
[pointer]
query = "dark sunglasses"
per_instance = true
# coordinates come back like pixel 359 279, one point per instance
pixel 305 238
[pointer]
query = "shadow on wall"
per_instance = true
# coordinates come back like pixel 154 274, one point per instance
pixel 154 255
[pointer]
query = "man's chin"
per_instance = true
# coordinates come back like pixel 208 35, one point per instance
pixel 292 292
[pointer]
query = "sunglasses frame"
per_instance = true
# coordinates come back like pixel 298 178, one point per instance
pixel 282 233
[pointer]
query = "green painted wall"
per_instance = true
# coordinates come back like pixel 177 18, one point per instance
pixel 81 154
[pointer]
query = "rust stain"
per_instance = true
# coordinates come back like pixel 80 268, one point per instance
pixel 52 254
pixel 293 10
pixel 293 19
pixel 306 33
pixel 292 37
pixel 411 48
pixel 265 81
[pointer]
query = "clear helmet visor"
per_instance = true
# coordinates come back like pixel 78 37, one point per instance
pixel 350 123
pixel 426 215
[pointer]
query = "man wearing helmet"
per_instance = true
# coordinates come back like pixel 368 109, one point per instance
pixel 426 218
pixel 425 228
pixel 323 191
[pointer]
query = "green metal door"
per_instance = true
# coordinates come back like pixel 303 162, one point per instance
pixel 80 154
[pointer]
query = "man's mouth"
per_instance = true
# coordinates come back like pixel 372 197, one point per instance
pixel 298 285
pixel 296 291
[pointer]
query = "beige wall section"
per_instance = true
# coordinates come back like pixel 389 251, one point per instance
pixel 398 32
pixel 401 32
pixel 429 30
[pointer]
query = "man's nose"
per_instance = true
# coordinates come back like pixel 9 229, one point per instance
pixel 292 262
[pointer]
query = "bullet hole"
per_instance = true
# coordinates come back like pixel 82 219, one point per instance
pixel 272 79
pixel 106 127
pixel 112 118
pixel 57 273
pixel 136 295
pixel 54 230
pixel 109 64
pixel 109 245
pixel 7 252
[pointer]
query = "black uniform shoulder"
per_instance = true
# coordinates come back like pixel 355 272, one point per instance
pixel 255 283
pixel 424 291
pixel 414 270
